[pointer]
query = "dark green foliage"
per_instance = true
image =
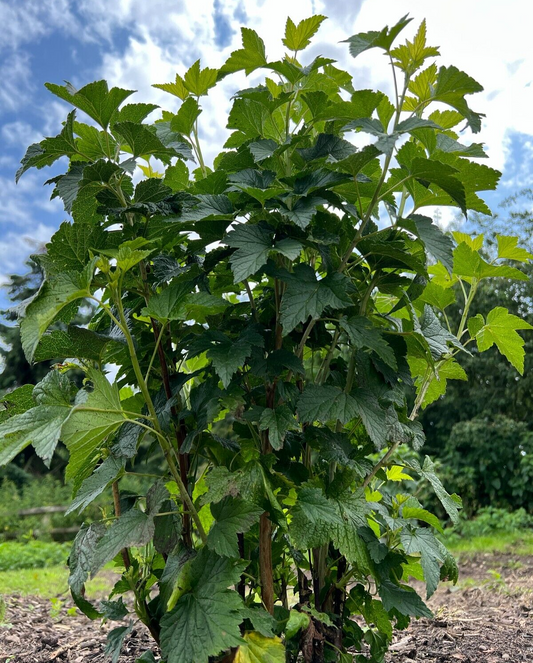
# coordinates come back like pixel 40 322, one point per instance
pixel 275 338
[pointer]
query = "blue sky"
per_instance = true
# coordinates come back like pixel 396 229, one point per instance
pixel 134 43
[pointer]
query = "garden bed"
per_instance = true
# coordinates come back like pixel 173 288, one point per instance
pixel 487 617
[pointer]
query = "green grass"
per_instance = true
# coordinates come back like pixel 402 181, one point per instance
pixel 32 554
pixel 49 583
pixel 518 543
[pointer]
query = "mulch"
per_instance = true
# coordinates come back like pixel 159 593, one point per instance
pixel 487 618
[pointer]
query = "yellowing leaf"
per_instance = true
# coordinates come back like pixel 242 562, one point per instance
pixel 474 243
pixel 258 649
pixel 396 473
pixel 507 248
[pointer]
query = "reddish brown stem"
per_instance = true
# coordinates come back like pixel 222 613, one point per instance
pixel 116 503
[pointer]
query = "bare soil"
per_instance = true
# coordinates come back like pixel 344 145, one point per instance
pixel 486 618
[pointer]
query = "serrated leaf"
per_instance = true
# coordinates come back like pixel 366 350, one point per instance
pixel 451 503
pixel 140 140
pixel 232 516
pixel 209 207
pixel 259 649
pixel 425 516
pixel 439 245
pixel 404 599
pixel 85 429
pixel 184 120
pixel 364 335
pixel 115 640
pixel 17 401
pixel 110 470
pixel 50 150
pixel 325 403
pixel 250 57
pixel 253 244
pixel 313 517
pixel 383 39
pixel 305 296
pixel 277 422
pixel 508 248
pixel 199 81
pixel 423 541
pixel 263 149
pixel 168 304
pixel 81 555
pixel 468 262
pixel 40 425
pixel 177 88
pixel 328 146
pixel 298 37
pixel 95 99
pixel 133 528
pixel 206 618
pixel 114 610
pixel 501 328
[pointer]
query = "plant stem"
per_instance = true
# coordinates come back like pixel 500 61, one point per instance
pixel 163 441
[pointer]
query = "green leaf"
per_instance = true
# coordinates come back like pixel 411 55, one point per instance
pixel 85 429
pixel 81 555
pixel 263 149
pixel 383 39
pixel 40 425
pixel 325 403
pixel 500 328
pixel 115 640
pixel 423 541
pixel 133 113
pixel 259 649
pixel 409 512
pixel 507 248
pixel 15 402
pixel 436 335
pixel 299 37
pixel 451 503
pixel 303 210
pixel 305 296
pixel 141 141
pixel 253 244
pixel 50 150
pixel 209 207
pixel 68 250
pixel 328 146
pixel 277 422
pixel 412 55
pixel 177 176
pixel 185 119
pixel 404 599
pixel 439 245
pixel 206 618
pixel 168 304
pixel 114 610
pixel 250 57
pixel 441 174
pixel 437 296
pixel 313 517
pixel 54 295
pixel 177 88
pixel 133 528
pixel 74 342
pixel 364 335
pixel 199 81
pixel 232 516
pixel 95 99
pixel 110 470
pixel 297 621
pixel 468 262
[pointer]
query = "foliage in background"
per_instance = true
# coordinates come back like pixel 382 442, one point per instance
pixel 268 328
pixel 32 555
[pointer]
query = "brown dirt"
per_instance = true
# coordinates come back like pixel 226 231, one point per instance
pixel 487 618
